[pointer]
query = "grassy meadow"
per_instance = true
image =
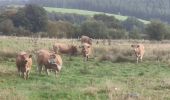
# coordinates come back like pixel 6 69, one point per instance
pixel 110 74
pixel 88 13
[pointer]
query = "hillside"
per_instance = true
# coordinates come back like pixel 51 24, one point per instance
pixel 87 13
pixel 14 2
pixel 144 9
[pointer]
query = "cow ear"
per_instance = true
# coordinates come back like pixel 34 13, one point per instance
pixel 75 46
pixel 23 57
pixel 132 45
pixel 25 61
pixel 80 46
pixel 30 56
pixel 53 56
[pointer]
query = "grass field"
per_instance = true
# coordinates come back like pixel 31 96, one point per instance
pixel 97 79
pixel 88 13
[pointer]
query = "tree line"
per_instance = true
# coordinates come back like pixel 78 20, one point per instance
pixel 144 9
pixel 33 20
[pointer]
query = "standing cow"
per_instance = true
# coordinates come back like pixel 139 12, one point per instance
pixel 49 60
pixel 86 51
pixel 86 39
pixel 139 51
pixel 24 63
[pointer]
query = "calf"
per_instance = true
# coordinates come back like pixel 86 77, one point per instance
pixel 24 63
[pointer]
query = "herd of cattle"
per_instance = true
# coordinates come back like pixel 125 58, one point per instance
pixel 53 61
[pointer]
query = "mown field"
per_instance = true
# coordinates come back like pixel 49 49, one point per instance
pixel 88 13
pixel 110 74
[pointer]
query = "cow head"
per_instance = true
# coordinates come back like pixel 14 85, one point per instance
pixel 85 49
pixel 52 61
pixel 25 61
pixel 90 41
pixel 135 49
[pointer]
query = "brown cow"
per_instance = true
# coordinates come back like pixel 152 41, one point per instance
pixel 139 51
pixel 86 39
pixel 86 51
pixel 24 63
pixel 64 48
pixel 49 60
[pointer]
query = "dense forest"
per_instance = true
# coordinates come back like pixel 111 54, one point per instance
pixel 144 9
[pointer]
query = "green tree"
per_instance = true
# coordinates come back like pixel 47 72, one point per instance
pixel 167 35
pixel 109 21
pixel 117 34
pixel 94 29
pixel 135 33
pixel 131 22
pixel 7 27
pixel 156 30
pixel 31 17
pixel 60 29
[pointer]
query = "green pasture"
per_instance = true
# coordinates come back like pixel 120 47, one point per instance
pixel 88 13
pixel 79 80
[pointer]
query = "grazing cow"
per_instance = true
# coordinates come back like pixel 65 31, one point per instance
pixel 86 51
pixel 49 60
pixel 24 64
pixel 64 48
pixel 139 51
pixel 86 39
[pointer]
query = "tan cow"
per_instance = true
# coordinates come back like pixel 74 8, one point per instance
pixel 86 39
pixel 24 64
pixel 139 51
pixel 86 51
pixel 65 48
pixel 49 60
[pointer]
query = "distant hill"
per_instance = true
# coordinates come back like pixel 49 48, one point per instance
pixel 144 9
pixel 87 13
pixel 13 2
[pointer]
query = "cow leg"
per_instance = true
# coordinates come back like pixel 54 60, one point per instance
pixel 57 50
pixel 47 71
pixel 141 58
pixel 25 75
pixel 56 73
pixel 137 59
pixel 39 69
pixel 22 74
pixel 19 70
pixel 84 59
pixel 70 57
